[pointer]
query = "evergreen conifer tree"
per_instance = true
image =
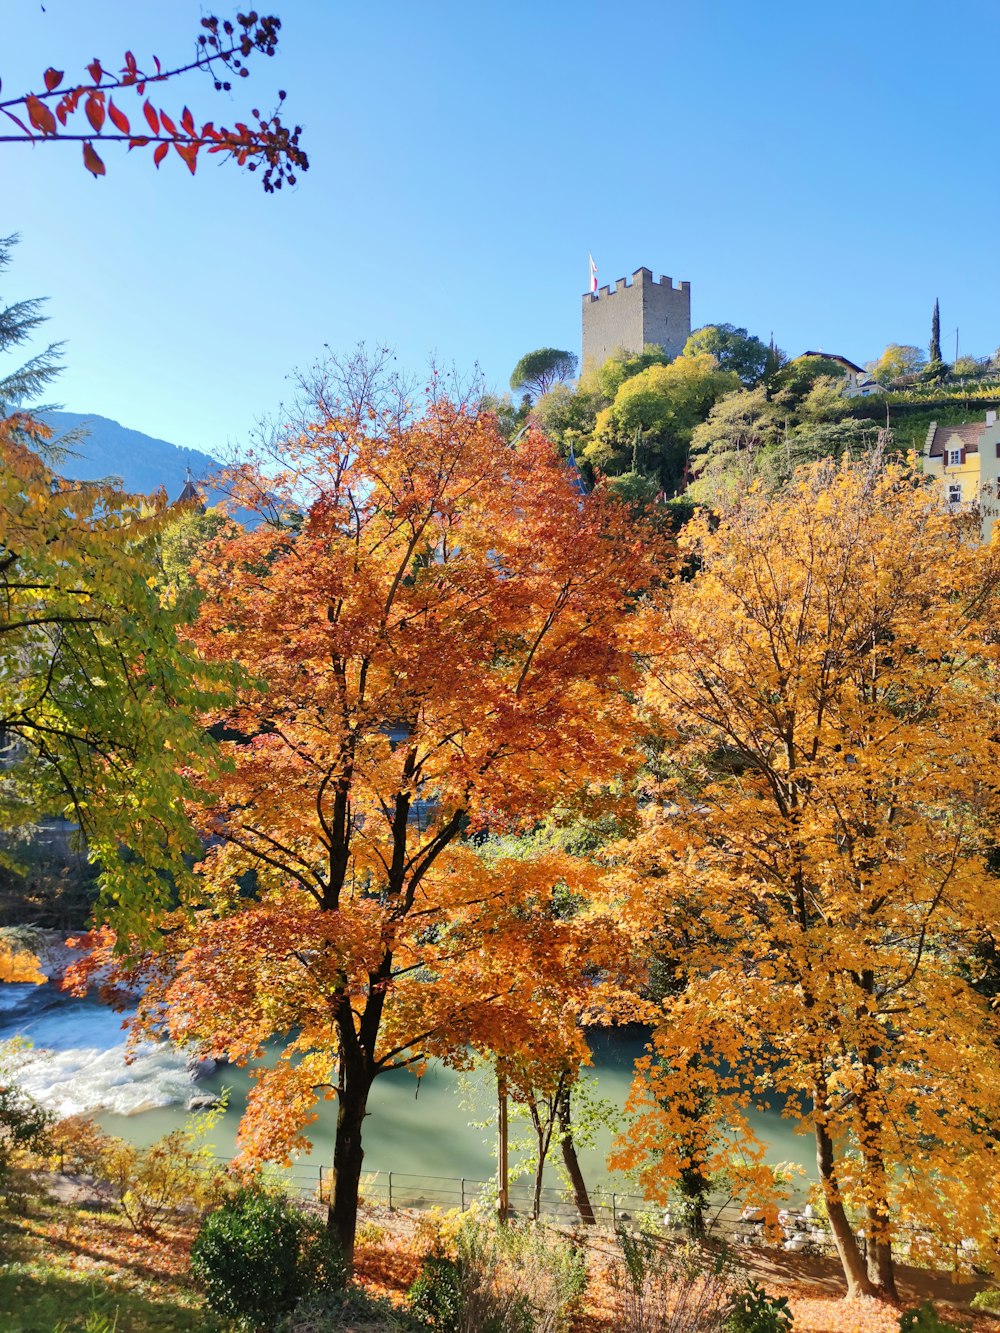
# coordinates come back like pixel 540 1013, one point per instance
pixel 935 347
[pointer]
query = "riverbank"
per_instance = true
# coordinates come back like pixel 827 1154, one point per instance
pixel 64 1263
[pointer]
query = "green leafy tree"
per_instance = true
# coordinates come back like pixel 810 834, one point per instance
pixel 793 383
pixel 183 537
pixel 537 371
pixel 511 417
pixel 728 446
pixel 897 360
pixel 98 691
pixel 568 416
pixel 648 427
pixel 609 377
pixel 734 349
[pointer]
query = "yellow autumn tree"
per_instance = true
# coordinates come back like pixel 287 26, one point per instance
pixel 814 856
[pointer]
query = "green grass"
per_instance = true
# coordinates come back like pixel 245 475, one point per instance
pixel 66 1271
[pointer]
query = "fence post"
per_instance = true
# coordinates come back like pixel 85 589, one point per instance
pixel 463 1194
pixel 390 1191
pixel 321 1183
pixel 614 1212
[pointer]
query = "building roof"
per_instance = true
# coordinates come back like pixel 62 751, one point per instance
pixel 832 356
pixel 939 437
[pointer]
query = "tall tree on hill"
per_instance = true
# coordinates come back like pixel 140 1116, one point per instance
pixel 935 345
pixel 438 643
pixel 538 371
pixel 734 349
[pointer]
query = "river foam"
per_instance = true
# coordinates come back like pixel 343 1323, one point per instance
pixel 76 1061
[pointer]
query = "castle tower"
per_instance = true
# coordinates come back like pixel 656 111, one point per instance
pixel 636 313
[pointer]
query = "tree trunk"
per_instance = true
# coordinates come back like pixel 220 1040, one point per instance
pixel 851 1259
pixel 348 1155
pixel 503 1177
pixel 572 1163
pixel 881 1268
pixel 541 1152
pixel 878 1229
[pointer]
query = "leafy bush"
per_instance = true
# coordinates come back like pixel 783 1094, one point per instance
pixel 987 1300
pixel 258 1254
pixel 753 1310
pixel 924 1320
pixel 484 1278
pixel 148 1184
pixel 439 1296
pixel 352 1311
pixel 24 1132
pixel 660 1287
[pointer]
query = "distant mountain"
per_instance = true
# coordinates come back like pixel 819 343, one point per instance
pixel 144 464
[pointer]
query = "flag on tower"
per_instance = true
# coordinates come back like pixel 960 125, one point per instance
pixel 593 276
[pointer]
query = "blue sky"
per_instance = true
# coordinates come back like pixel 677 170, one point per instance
pixel 823 172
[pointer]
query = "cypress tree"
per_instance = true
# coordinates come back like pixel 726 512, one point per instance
pixel 935 347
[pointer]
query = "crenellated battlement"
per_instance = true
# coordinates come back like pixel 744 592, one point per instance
pixel 642 277
pixel 647 310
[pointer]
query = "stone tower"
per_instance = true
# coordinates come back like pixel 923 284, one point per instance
pixel 636 313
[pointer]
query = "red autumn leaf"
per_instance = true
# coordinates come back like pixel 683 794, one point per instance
pixel 91 161
pixel 40 115
pixel 138 141
pixel 161 152
pixel 53 78
pixel 152 119
pixel 187 121
pixel 95 70
pixel 168 124
pixel 118 119
pixel 189 152
pixel 95 111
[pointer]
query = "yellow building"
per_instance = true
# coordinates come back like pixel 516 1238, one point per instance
pixel 967 459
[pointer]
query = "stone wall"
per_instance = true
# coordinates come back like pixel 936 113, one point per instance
pixel 635 313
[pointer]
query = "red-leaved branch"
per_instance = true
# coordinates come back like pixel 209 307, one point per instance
pixel 223 50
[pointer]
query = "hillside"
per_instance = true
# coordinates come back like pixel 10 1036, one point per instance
pixel 143 462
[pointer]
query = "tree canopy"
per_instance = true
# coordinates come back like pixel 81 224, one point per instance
pixel 538 371
pixel 898 359
pixel 437 647
pixel 815 857
pixel 648 426
pixel 734 349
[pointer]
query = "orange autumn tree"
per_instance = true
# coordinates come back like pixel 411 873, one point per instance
pixel 827 698
pixel 433 624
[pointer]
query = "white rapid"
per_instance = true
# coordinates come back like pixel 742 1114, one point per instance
pixel 76 1061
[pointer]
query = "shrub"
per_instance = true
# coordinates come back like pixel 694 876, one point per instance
pixel 987 1300
pixel 352 1311
pixel 924 1320
pixel 753 1310
pixel 24 1132
pixel 258 1255
pixel 490 1279
pixel 369 1233
pixel 148 1184
pixel 660 1287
